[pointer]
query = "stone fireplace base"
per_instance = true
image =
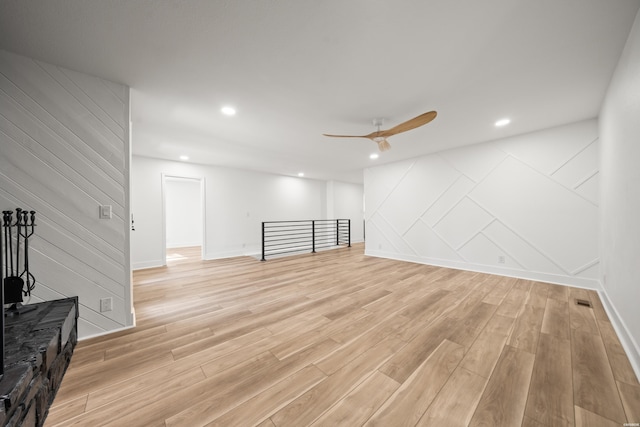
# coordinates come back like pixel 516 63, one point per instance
pixel 38 349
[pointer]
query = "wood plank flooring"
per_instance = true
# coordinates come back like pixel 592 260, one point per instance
pixel 340 339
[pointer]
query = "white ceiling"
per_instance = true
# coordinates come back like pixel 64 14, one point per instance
pixel 295 69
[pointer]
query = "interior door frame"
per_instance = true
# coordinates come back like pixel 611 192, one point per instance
pixel 203 205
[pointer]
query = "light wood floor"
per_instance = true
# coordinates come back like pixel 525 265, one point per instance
pixel 340 339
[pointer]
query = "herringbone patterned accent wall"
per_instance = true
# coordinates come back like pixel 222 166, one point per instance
pixel 525 206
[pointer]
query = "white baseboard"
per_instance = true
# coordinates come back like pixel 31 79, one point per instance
pixel 147 264
pixel 626 339
pixel 222 255
pixel 112 331
pixel 578 282
pixel 183 245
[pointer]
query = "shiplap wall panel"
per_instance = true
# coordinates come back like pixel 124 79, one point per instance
pixel 65 196
pixel 83 87
pixel 121 92
pixel 28 98
pixel 46 155
pixel 68 111
pixel 64 150
pixel 524 206
pixel 59 220
pixel 101 268
pixel 19 117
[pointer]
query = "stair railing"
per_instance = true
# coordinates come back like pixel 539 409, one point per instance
pixel 287 237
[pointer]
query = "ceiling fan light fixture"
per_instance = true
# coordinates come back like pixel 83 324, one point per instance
pixel 374 156
pixel 383 145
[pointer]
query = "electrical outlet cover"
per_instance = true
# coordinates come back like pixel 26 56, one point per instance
pixel 106 304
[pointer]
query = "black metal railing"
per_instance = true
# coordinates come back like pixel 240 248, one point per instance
pixel 284 237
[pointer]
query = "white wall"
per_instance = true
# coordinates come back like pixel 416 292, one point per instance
pixel 183 212
pixel 64 139
pixel 620 189
pixel 236 203
pixel 345 200
pixel 530 200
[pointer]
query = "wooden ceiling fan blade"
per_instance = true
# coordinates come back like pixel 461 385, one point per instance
pixel 418 121
pixel 347 136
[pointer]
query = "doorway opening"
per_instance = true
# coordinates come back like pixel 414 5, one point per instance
pixel 184 218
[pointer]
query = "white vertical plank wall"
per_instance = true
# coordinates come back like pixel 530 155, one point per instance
pixel 64 152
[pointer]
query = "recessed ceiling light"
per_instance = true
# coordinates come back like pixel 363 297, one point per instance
pixel 183 157
pixel 502 122
pixel 228 111
pixel 300 174
pixel 374 156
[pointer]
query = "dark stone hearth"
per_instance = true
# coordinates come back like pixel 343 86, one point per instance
pixel 38 349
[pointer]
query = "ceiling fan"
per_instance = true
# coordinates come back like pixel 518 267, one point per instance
pixel 380 136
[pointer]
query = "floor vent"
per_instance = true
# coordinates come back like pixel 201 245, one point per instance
pixel 583 302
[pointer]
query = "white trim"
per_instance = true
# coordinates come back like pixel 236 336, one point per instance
pixel 130 318
pixel 184 245
pixel 109 332
pixel 203 204
pixel 578 282
pixel 228 254
pixel 626 338
pixel 163 231
pixel 147 264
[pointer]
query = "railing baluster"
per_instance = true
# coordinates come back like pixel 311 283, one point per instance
pixel 263 237
pixel 313 236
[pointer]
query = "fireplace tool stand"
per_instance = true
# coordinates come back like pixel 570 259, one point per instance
pixel 18 280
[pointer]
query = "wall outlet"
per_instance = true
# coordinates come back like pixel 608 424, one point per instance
pixel 106 304
pixel 501 259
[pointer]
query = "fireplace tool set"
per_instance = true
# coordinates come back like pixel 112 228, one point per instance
pixel 18 280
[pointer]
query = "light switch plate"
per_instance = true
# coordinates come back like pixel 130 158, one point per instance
pixel 105 212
